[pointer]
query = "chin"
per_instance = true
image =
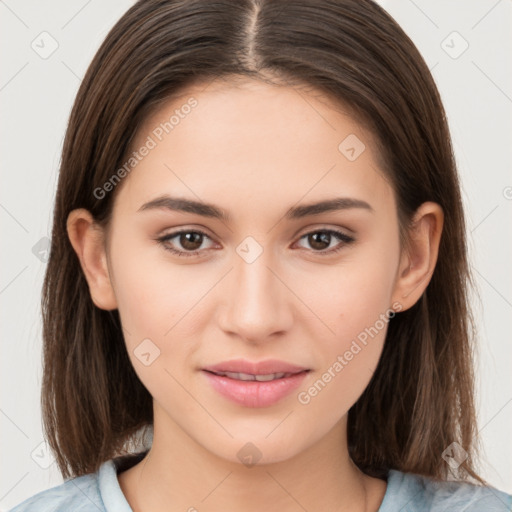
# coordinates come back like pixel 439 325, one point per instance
pixel 258 449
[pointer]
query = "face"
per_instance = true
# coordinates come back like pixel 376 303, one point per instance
pixel 269 281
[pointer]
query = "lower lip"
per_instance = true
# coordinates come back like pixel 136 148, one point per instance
pixel 252 393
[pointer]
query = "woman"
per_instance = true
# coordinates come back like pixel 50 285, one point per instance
pixel 259 255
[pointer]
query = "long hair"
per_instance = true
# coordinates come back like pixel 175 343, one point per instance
pixel 421 397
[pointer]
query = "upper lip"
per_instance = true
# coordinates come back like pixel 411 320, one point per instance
pixel 266 367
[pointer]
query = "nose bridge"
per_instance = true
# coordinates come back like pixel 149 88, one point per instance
pixel 257 305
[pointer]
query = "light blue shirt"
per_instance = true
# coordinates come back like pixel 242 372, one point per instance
pixel 406 492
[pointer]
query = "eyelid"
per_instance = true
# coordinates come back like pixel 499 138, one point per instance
pixel 349 233
pixel 339 233
pixel 343 238
pixel 172 234
pixel 325 227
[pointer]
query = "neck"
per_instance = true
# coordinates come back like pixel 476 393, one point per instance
pixel 179 474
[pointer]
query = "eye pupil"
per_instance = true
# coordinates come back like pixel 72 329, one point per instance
pixel 321 238
pixel 187 243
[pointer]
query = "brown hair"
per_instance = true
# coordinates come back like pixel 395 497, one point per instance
pixel 420 398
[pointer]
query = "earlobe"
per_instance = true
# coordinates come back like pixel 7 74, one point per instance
pixel 419 258
pixel 87 239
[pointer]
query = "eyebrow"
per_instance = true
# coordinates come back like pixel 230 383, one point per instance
pixel 210 210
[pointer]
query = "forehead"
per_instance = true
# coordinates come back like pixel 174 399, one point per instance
pixel 252 139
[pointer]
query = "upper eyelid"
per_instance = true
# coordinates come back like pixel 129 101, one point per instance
pixel 180 231
pixel 309 231
pixel 204 231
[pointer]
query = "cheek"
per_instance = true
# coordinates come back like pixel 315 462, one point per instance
pixel 153 293
pixel 160 307
pixel 155 304
pixel 352 296
pixel 347 359
pixel 354 300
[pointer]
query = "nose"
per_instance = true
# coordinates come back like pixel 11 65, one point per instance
pixel 257 303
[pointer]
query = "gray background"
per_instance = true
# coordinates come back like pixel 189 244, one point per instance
pixel 36 96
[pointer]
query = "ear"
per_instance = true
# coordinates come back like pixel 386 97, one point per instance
pixel 88 241
pixel 419 258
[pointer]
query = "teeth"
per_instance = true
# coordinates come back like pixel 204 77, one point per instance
pixel 248 376
pixel 272 376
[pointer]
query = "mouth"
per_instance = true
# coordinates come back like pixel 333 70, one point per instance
pixel 251 377
pixel 257 368
pixel 260 384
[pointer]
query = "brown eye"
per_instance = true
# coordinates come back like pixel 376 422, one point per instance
pixel 188 242
pixel 320 240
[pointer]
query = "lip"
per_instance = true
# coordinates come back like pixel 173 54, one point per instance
pixel 253 393
pixel 256 368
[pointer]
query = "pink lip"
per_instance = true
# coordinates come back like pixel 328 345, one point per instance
pixel 257 368
pixel 255 393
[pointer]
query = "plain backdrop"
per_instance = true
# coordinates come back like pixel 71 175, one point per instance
pixel 467 46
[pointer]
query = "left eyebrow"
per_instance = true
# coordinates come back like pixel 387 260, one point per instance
pixel 329 205
pixel 295 212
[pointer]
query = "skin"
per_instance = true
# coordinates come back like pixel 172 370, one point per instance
pixel 254 150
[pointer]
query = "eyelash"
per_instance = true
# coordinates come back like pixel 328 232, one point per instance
pixel 346 239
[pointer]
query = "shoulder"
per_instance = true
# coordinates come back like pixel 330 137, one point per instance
pixel 416 493
pixel 79 494
pixel 95 492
